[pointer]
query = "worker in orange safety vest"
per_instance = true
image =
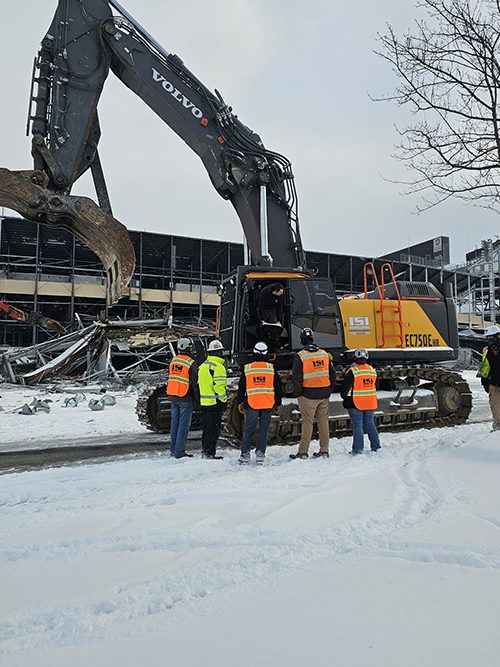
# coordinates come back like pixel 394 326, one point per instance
pixel 183 393
pixel 359 394
pixel 313 379
pixel 259 392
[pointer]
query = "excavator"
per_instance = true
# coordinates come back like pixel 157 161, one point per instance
pixel 408 327
pixel 19 315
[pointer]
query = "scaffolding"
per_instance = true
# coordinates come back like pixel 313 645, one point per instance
pixel 48 272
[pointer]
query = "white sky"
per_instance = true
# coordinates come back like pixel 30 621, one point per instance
pixel 298 73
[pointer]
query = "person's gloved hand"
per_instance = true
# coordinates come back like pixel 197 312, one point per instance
pixel 277 409
pixel 241 408
pixel 486 384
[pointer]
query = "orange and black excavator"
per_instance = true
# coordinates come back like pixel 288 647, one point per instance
pixel 32 318
pixel 13 312
pixel 407 327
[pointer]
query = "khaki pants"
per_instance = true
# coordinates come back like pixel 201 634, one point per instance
pixel 310 408
pixel 494 395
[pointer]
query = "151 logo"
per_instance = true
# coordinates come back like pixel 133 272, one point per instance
pixel 359 323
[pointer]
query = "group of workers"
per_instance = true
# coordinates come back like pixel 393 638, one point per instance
pixel 260 394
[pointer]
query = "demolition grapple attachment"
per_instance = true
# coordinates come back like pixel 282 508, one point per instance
pixel 26 192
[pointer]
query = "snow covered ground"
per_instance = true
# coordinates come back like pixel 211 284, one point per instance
pixel 387 559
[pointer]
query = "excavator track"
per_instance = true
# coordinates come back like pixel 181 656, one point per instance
pixel 447 402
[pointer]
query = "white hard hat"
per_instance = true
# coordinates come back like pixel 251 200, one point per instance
pixel 260 348
pixel 184 344
pixel 361 354
pixel 215 345
pixel 493 330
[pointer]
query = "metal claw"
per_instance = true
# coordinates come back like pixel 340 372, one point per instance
pixel 26 192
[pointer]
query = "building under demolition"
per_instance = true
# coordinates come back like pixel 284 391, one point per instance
pixel 47 273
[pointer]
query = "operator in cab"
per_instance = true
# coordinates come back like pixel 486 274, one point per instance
pixel 270 313
pixel 489 372
pixel 212 384
pixel 270 304
pixel 182 391
pixel 359 394
pixel 259 392
pixel 313 377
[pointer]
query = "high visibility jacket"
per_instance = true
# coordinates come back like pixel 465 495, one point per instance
pixel 315 368
pixel 212 381
pixel 484 368
pixel 178 375
pixel 364 393
pixel 259 376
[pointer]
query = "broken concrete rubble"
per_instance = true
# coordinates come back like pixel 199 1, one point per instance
pixel 122 352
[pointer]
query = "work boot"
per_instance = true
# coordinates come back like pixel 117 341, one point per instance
pixel 355 452
pixel 211 456
pixel 183 455
pixel 299 455
pixel 319 455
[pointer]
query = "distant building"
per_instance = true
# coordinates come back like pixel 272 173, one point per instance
pixel 484 262
pixel 434 252
pixel 46 271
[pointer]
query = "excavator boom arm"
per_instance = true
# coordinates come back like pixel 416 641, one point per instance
pixel 83 43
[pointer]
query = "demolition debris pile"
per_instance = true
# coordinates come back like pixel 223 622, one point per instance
pixel 124 352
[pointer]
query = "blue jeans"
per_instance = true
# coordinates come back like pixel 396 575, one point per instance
pixel 181 412
pixel 263 417
pixel 363 421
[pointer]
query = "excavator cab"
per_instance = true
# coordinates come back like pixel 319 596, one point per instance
pixel 307 302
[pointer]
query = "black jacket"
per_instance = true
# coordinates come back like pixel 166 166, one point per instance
pixel 345 390
pixel 270 304
pixel 242 385
pixel 193 393
pixel 298 379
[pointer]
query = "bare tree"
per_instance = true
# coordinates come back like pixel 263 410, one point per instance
pixel 449 77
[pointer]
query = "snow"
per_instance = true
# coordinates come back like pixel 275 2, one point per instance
pixel 63 423
pixel 384 559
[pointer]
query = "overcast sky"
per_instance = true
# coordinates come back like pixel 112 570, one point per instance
pixel 298 72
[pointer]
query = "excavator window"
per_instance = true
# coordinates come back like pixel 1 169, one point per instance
pixel 313 304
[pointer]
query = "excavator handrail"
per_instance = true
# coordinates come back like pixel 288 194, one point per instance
pixel 388 267
pixel 367 266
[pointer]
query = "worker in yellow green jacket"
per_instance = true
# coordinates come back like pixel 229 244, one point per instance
pixel 212 384
pixel 489 372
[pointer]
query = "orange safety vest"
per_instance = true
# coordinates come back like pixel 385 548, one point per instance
pixel 364 393
pixel 178 375
pixel 260 385
pixel 315 368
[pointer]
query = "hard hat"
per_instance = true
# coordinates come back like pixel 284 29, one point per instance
pixel 215 345
pixel 260 348
pixel 493 330
pixel 306 336
pixel 184 344
pixel 361 353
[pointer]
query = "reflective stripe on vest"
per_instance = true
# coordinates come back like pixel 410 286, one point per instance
pixel 484 368
pixel 364 392
pixel 260 385
pixel 315 368
pixel 178 375
pixel 212 380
